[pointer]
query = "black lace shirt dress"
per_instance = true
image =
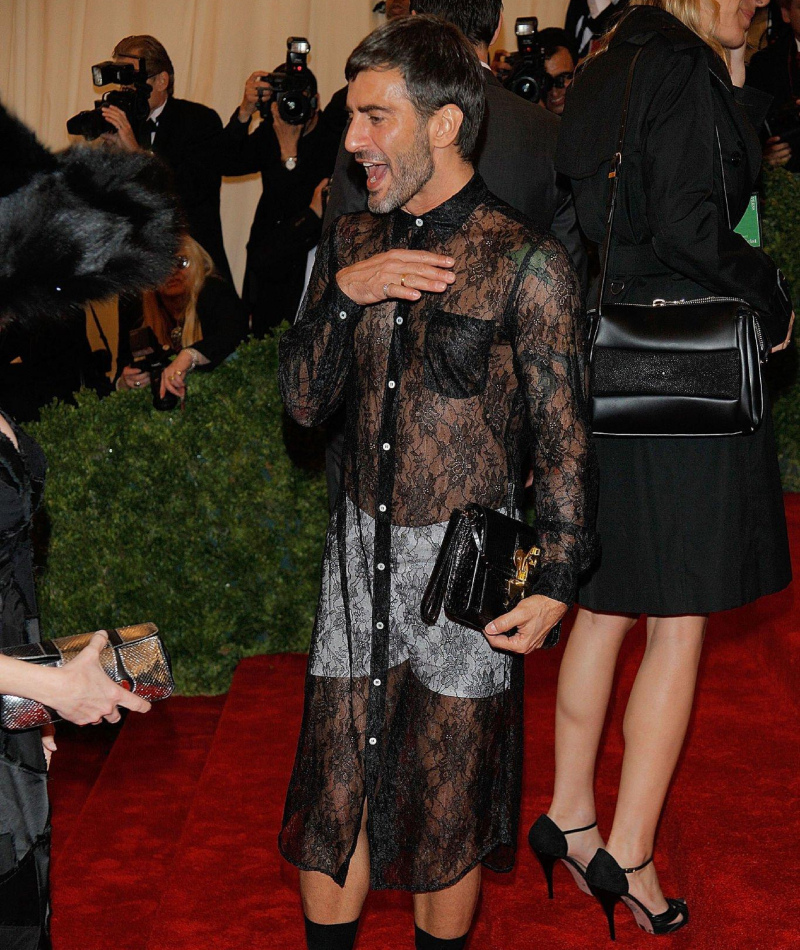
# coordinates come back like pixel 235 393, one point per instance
pixel 445 398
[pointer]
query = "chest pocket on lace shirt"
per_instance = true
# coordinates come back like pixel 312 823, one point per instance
pixel 457 354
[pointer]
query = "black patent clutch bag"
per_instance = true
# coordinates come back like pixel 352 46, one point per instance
pixel 487 563
pixel 135 657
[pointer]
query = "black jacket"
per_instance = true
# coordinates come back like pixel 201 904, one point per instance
pixel 671 234
pixel 515 157
pixel 284 229
pixel 188 141
pixel 775 69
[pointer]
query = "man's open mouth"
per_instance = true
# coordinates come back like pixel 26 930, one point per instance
pixel 376 173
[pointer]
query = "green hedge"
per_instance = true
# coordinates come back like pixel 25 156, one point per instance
pixel 201 521
pixel 197 520
pixel 781 209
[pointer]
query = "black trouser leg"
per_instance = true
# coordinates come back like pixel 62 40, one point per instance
pixel 330 936
pixel 424 941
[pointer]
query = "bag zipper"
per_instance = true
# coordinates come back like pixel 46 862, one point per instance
pixel 763 351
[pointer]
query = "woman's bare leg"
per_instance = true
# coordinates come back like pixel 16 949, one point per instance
pixel 656 720
pixel 584 689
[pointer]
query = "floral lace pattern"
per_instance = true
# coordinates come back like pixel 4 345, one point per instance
pixel 446 400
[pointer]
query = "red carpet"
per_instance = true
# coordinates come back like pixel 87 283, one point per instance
pixel 168 841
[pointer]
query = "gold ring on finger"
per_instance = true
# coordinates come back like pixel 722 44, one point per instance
pixel 403 281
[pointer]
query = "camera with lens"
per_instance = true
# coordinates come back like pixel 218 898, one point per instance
pixel 293 86
pixel 149 356
pixel 132 100
pixel 528 77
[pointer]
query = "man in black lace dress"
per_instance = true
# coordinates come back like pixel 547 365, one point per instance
pixel 450 330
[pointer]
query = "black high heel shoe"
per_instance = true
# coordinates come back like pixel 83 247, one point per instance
pixel 609 885
pixel 549 844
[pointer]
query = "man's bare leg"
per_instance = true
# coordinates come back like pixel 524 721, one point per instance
pixel 447 914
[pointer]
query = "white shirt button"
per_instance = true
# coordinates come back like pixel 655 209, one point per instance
pixel 381 507
pixel 376 682
pixel 342 314
pixel 379 625
pixel 373 740
pixel 386 446
pixel 419 222
pixel 392 384
pixel 399 321
pixel 381 567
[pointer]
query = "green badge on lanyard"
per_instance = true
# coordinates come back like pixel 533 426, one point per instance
pixel 750 225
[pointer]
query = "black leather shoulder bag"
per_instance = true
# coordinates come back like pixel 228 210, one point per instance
pixel 673 367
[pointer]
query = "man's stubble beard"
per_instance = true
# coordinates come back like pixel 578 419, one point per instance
pixel 410 172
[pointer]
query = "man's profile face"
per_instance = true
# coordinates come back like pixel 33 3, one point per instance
pixel 560 66
pixel 791 15
pixel 396 8
pixel 158 96
pixel 388 139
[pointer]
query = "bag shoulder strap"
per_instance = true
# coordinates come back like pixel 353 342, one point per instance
pixel 616 164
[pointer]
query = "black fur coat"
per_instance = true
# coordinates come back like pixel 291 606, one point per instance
pixel 79 225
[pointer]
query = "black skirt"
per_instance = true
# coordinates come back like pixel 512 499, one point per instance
pixel 688 526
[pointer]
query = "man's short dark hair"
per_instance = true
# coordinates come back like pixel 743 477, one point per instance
pixel 477 19
pixel 438 65
pixel 156 57
pixel 552 39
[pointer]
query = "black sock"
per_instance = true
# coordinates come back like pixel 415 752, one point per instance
pixel 424 941
pixel 330 936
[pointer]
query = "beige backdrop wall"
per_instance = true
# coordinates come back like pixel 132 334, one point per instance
pixel 48 46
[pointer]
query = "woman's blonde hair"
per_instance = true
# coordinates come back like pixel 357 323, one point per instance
pixel 200 268
pixel 689 12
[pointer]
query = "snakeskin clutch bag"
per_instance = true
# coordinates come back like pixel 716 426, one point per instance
pixel 487 563
pixel 135 658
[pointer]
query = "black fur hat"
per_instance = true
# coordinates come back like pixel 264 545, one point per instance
pixel 79 225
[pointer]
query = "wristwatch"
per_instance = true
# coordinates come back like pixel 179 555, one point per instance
pixel 290 163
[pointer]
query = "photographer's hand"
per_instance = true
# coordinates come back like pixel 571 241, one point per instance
pixel 251 94
pixel 288 135
pixel 124 137
pixel 133 378
pixel 173 379
pixel 776 151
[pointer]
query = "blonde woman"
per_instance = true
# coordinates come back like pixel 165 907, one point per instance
pixel 688 526
pixel 194 312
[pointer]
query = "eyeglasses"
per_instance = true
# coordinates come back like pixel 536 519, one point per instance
pixel 561 81
pixel 182 262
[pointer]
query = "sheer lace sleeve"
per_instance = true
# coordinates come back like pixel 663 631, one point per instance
pixel 548 334
pixel 316 353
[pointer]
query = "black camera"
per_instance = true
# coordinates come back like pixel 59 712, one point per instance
pixel 293 86
pixel 149 356
pixel 134 100
pixel 528 77
pixel 784 121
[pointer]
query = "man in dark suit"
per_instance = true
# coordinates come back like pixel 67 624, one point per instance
pixel 185 135
pixel 776 70
pixel 515 156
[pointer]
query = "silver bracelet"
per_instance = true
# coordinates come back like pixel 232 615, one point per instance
pixel 195 357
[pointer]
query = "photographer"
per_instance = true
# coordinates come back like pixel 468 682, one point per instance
pixel 293 157
pixel 776 70
pixel 559 62
pixel 194 313
pixel 184 134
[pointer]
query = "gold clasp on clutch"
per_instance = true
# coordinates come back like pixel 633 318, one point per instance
pixel 523 564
